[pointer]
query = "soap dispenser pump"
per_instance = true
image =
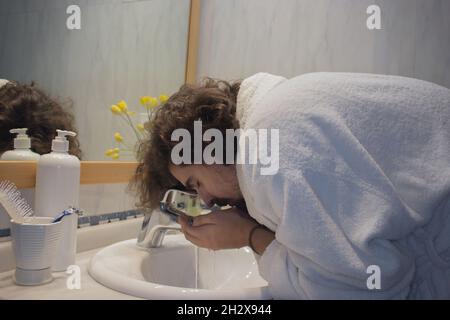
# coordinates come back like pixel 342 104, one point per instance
pixel 22 144
pixel 57 188
pixel 60 143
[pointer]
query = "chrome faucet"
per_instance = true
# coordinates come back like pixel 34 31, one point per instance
pixel 159 222
pixel 154 229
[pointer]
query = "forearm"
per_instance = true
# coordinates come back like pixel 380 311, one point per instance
pixel 260 239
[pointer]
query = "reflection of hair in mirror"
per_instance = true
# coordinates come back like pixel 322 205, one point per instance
pixel 27 106
pixel 212 101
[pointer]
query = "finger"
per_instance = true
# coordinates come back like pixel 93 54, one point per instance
pixel 183 220
pixel 187 225
pixel 191 233
pixel 193 239
pixel 210 218
pixel 202 232
pixel 234 210
pixel 240 212
pixel 201 236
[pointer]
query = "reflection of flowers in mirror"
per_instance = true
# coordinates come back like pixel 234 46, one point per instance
pixel 121 109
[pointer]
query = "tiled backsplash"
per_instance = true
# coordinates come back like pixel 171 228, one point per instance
pixel 101 203
pixel 85 221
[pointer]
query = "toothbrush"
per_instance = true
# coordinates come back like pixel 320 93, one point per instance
pixel 67 212
pixel 11 199
pixel 62 215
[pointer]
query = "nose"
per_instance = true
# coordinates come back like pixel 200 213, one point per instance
pixel 206 197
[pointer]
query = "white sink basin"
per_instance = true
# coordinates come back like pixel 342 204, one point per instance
pixel 169 272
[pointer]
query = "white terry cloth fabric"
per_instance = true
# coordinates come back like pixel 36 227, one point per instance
pixel 364 180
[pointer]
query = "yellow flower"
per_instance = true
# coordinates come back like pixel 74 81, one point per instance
pixel 163 98
pixel 109 152
pixel 118 137
pixel 115 109
pixel 113 153
pixel 149 102
pixel 140 127
pixel 115 156
pixel 153 102
pixel 122 106
pixel 145 100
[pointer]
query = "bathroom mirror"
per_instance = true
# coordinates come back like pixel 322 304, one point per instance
pixel 91 55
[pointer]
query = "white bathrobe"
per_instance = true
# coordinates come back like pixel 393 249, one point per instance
pixel 363 188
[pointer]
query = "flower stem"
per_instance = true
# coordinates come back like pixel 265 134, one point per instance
pixel 126 145
pixel 127 119
pixel 134 129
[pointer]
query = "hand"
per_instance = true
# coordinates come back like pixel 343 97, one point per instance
pixel 224 229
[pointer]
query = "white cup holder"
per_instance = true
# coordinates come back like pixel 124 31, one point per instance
pixel 34 244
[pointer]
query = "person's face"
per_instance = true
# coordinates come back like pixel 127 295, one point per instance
pixel 215 184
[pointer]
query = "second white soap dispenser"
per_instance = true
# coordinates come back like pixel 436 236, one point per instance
pixel 57 188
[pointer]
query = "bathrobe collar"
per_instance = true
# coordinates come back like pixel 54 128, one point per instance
pixel 253 89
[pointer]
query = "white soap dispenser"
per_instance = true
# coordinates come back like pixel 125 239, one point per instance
pixel 22 144
pixel 57 188
pixel 21 152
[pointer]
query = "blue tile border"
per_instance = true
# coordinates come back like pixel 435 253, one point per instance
pixel 93 220
pixel 5 233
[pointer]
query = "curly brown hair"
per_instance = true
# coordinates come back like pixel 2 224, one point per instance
pixel 212 101
pixel 27 106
